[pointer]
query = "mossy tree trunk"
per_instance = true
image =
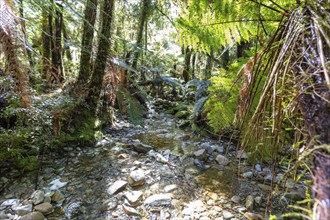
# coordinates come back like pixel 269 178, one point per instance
pixel 87 42
pixel 101 57
pixel 57 64
pixel 187 59
pixel 46 45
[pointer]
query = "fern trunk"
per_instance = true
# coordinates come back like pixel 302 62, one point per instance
pixel 8 38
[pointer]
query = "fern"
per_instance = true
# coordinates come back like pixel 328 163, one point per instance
pixel 130 106
pixel 205 25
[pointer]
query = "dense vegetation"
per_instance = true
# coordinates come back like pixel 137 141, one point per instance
pixel 254 71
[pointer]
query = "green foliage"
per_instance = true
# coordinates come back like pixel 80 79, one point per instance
pixel 205 25
pixel 222 103
pixel 130 106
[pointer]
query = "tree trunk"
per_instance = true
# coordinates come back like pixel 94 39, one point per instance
pixel 8 40
pixel 193 64
pixel 187 59
pixel 46 45
pixel 208 67
pixel 57 49
pixel 87 42
pixel 28 51
pixel 101 57
pixel 143 20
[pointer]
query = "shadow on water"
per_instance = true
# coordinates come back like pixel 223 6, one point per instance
pixel 159 143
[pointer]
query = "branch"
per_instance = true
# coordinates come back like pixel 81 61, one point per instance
pixel 279 6
pixel 238 21
pixel 165 15
pixel 284 13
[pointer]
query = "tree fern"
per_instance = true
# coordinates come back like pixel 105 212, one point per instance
pixel 204 25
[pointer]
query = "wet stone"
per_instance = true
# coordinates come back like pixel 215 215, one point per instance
pixel 33 216
pixel 57 196
pixel 44 208
pixel 24 209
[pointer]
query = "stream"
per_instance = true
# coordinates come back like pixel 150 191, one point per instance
pixel 155 171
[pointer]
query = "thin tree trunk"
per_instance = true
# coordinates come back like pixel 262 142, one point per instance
pixel 208 67
pixel 28 51
pixel 66 50
pixel 193 64
pixel 143 20
pixel 87 42
pixel 186 70
pixel 58 71
pixel 46 45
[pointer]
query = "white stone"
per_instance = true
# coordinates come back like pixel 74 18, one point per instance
pixel 170 188
pixel 136 178
pixel 117 186
pixel 222 160
pixel 158 200
pixel 133 197
pixel 248 174
pixel 227 215
pixel 199 153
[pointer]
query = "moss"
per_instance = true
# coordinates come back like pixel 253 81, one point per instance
pixel 182 114
pixel 27 163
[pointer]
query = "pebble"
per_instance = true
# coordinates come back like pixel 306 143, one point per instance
pixel 170 188
pixel 130 210
pixel 45 208
pixel 227 215
pixel 133 197
pixel 38 197
pixel 136 178
pixel 24 209
pixel 158 200
pixel 249 202
pixel 222 160
pixel 117 186
pixel 235 199
pixel 33 216
pixel 248 174
pixel 57 196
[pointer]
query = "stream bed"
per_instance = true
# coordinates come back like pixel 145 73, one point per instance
pixel 155 171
